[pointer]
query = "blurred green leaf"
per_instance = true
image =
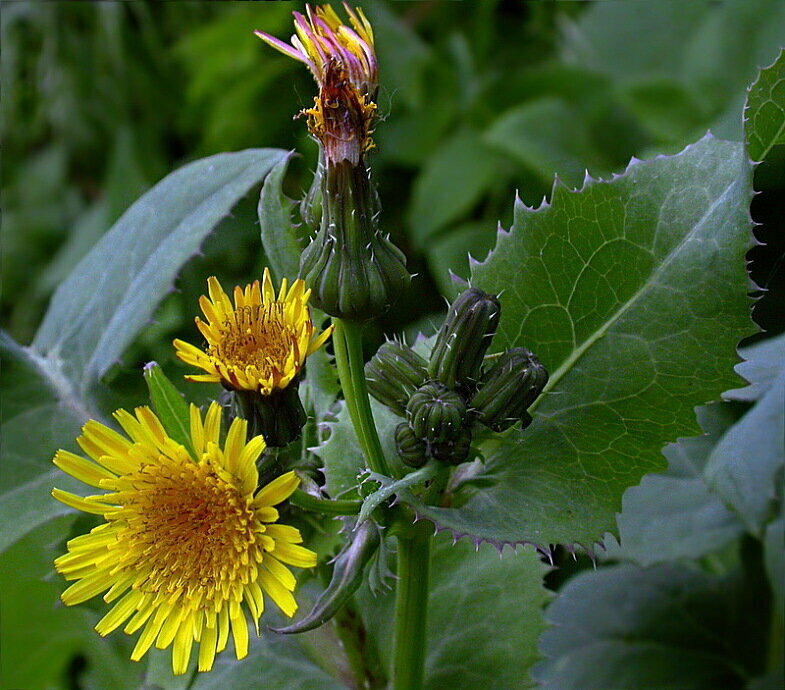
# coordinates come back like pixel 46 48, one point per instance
pixel 632 292
pixel 39 636
pixel 111 294
pixel 664 627
pixel 484 616
pixel 450 183
pixel 279 236
pixel 449 253
pixel 764 112
pixel 674 515
pixel 547 136
pixel 774 552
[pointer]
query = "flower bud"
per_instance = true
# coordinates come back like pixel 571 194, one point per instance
pixel 435 412
pixel 411 450
pixel 279 417
pixel 394 373
pixel 455 450
pixel 354 271
pixel 506 391
pixel 464 338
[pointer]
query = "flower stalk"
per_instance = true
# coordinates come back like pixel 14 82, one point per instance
pixel 411 608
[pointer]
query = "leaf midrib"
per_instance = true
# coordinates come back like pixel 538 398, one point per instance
pixel 578 353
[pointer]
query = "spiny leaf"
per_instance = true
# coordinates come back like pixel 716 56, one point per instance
pixel 632 292
pixel 764 112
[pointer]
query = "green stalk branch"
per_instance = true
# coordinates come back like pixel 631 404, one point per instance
pixel 324 506
pixel 411 607
pixel 347 340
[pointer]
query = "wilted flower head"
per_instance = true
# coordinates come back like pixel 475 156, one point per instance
pixel 188 542
pixel 259 344
pixel 342 60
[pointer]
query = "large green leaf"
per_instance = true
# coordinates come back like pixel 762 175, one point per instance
pixel 674 515
pixel 664 627
pixel 745 465
pixel 275 661
pixel 94 315
pixel 633 294
pixel 341 454
pixel 111 294
pixel 484 617
pixel 29 401
pixel 279 236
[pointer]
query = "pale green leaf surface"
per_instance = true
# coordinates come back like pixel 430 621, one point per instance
pixel 474 596
pixel 745 465
pixel 341 454
pixel 662 627
pixel 674 515
pixel 279 236
pixel 763 363
pixel 632 292
pixel 764 112
pixel 28 402
pixel 96 312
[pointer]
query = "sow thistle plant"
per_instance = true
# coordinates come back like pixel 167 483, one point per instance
pixel 209 513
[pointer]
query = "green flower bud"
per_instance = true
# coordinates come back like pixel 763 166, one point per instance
pixel 354 271
pixel 279 417
pixel 435 412
pixel 506 391
pixel 464 338
pixel 454 451
pixel 411 449
pixel 394 373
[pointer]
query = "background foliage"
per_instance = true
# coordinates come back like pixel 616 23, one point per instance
pixel 480 99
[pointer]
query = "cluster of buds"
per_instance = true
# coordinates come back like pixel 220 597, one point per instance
pixel 444 398
pixel 354 270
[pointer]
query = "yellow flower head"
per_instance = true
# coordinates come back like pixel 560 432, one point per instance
pixel 188 542
pixel 259 344
pixel 343 62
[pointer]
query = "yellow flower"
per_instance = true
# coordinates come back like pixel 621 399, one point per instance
pixel 188 543
pixel 259 344
pixel 343 62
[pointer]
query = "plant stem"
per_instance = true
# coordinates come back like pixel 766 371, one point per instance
pixel 347 340
pixel 411 607
pixel 325 506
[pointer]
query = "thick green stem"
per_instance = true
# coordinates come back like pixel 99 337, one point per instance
pixel 411 607
pixel 347 340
